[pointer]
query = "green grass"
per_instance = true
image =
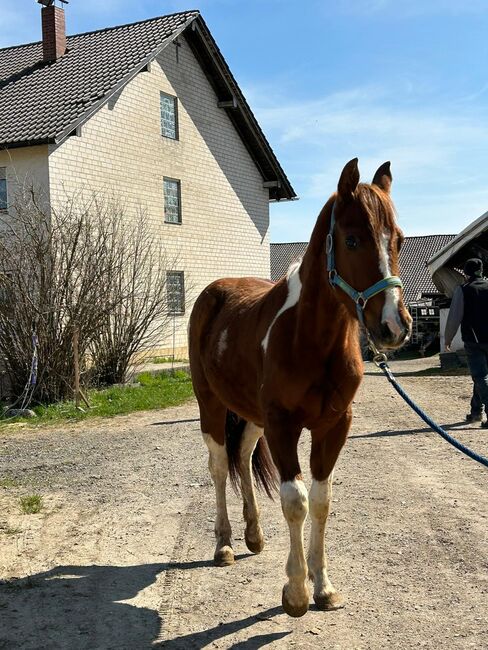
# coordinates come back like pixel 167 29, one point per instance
pixel 31 505
pixel 153 391
pixel 8 483
pixel 166 360
pixel 9 530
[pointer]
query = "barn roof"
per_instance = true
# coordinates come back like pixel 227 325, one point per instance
pixel 282 255
pixel 471 242
pixel 414 254
pixel 43 103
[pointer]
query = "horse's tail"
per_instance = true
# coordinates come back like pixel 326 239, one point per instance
pixel 263 468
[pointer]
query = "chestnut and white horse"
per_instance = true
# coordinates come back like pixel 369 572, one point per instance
pixel 268 360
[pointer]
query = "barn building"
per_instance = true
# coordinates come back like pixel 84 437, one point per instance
pixel 422 296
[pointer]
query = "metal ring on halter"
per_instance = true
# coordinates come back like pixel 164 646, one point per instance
pixel 332 275
pixel 361 301
pixel 379 358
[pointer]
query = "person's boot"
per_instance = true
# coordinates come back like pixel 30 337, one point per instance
pixel 474 417
pixel 484 425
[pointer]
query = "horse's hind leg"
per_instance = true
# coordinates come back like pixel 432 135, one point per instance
pixel 324 454
pixel 218 466
pixel 253 534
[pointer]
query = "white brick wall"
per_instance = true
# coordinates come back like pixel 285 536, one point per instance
pixel 26 167
pixel 225 213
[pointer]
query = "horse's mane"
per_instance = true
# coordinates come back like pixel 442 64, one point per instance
pixel 378 206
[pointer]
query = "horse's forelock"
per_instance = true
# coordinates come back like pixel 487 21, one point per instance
pixel 378 206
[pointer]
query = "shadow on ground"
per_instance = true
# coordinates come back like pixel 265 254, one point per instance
pixel 456 426
pixel 79 607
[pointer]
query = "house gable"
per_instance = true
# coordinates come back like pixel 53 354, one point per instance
pixel 97 66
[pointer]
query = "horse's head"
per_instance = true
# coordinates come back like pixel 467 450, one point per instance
pixel 366 242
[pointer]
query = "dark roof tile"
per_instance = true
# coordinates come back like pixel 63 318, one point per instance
pixel 40 100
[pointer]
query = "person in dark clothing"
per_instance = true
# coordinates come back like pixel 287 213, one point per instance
pixel 469 308
pixel 476 407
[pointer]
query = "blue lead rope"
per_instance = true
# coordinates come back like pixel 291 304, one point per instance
pixel 466 450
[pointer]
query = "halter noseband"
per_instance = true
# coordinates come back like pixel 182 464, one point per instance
pixel 360 297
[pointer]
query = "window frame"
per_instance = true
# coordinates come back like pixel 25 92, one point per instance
pixel 3 170
pixel 181 311
pixel 175 106
pixel 178 185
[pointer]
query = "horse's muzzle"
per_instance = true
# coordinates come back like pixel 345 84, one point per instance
pixel 386 339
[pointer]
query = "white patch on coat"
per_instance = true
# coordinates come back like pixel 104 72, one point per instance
pixel 319 503
pixel 390 314
pixel 218 466
pixel 294 290
pixel 222 344
pixel 294 503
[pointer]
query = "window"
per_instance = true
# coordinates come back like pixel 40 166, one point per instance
pixel 175 289
pixel 172 200
pixel 3 188
pixel 169 116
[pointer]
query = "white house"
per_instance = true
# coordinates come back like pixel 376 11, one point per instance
pixel 149 111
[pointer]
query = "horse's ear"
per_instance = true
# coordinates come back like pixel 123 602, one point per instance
pixel 383 178
pixel 349 180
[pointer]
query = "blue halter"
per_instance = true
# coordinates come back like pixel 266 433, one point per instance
pixel 360 297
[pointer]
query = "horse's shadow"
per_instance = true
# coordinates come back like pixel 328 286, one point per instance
pixel 81 607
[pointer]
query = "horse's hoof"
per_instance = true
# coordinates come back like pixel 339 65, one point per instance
pixel 293 610
pixel 327 602
pixel 255 546
pixel 224 556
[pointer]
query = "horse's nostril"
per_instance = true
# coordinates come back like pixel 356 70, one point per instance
pixel 386 333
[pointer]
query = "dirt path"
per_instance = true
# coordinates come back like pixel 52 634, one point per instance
pixel 120 555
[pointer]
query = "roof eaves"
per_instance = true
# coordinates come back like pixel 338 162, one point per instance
pixel 60 137
pixel 16 144
pixel 247 119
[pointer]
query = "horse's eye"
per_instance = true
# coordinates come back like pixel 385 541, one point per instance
pixel 352 242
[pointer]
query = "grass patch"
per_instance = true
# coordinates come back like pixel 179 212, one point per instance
pixel 167 360
pixel 31 505
pixel 9 530
pixel 8 483
pixel 153 391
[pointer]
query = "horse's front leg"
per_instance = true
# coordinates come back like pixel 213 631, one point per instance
pixel 326 446
pixel 294 503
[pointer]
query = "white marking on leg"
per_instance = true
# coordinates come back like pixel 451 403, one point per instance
pixel 254 534
pixel 218 466
pixel 390 314
pixel 294 502
pixel 319 501
pixel 222 344
pixel 294 290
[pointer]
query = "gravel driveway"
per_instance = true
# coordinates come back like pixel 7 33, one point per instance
pixel 120 555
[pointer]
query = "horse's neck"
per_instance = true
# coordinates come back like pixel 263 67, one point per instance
pixel 322 318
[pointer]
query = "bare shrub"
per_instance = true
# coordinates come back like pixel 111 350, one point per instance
pixel 141 314
pixel 75 267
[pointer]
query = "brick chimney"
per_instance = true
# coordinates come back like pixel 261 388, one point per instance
pixel 53 32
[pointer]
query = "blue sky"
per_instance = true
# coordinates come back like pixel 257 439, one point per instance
pixel 398 80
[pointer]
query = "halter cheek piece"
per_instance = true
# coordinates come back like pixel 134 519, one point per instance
pixel 360 297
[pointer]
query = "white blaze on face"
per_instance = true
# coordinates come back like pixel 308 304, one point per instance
pixel 294 289
pixel 390 314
